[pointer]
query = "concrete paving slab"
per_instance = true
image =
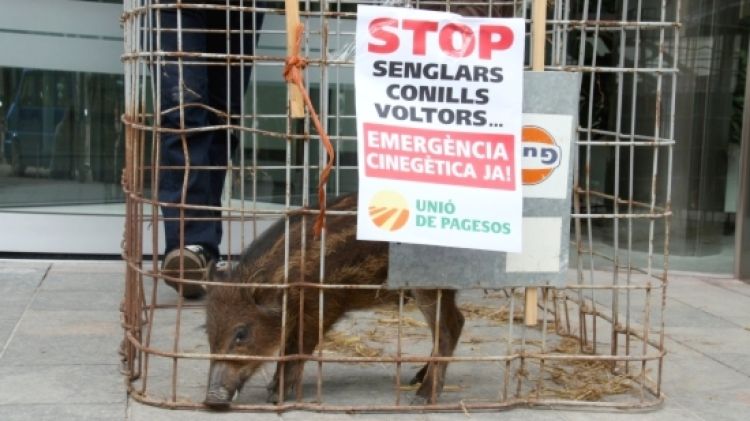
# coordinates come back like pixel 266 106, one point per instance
pixel 704 375
pixel 687 371
pixel 731 396
pixel 685 306
pixel 22 266
pixel 64 384
pixel 17 277
pixel 18 283
pixel 512 414
pixel 314 416
pixel 729 284
pixel 709 410
pixel 77 301
pixel 89 277
pixel 64 337
pixel 667 413
pixel 140 412
pixel 6 329
pixel 89 266
pixel 710 298
pixel 44 412
pixel 725 345
pixel 680 314
pixel 32 351
pixel 714 339
pixel 13 305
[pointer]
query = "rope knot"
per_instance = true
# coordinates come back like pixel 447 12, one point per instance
pixel 293 67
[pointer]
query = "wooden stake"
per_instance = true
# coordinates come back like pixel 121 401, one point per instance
pixel 538 38
pixel 538 34
pixel 296 103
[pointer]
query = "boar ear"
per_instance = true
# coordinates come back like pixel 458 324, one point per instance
pixel 248 295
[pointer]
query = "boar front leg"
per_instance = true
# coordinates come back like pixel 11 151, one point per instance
pixel 448 331
pixel 292 370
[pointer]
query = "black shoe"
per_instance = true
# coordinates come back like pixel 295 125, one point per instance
pixel 195 266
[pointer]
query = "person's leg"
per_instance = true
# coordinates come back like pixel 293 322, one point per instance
pixel 228 97
pixel 206 85
pixel 180 107
pixel 194 91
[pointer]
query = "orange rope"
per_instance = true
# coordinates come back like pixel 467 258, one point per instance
pixel 293 74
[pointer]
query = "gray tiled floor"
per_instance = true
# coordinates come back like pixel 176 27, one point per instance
pixel 60 330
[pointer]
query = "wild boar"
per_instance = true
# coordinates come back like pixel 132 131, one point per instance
pixel 248 321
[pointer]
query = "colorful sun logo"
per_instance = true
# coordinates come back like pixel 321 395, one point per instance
pixel 389 210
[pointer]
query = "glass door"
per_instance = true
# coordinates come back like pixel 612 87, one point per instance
pixel 61 141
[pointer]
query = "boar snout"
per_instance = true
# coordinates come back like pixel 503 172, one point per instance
pixel 221 386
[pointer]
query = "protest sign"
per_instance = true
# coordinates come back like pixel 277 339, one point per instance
pixel 439 128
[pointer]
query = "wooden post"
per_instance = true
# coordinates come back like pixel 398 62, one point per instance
pixel 296 103
pixel 538 38
pixel 538 34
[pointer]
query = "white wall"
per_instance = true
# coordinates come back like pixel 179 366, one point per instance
pixel 61 35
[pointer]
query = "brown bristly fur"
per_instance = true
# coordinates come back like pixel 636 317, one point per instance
pixel 347 262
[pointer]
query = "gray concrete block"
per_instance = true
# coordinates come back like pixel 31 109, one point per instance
pixel 314 416
pixel 707 408
pixel 85 276
pixel 512 414
pixel 660 414
pixel 65 384
pixel 65 337
pixel 29 350
pixel 712 298
pixel 17 286
pixel 687 371
pixel 681 315
pixel 77 301
pixel 712 341
pixel 112 267
pixel 728 283
pixel 62 363
pixel 62 412
pixel 22 269
pixel 13 305
pixel 20 281
pixel 140 412
pixel 6 328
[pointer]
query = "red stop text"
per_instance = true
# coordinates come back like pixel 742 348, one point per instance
pixel 454 39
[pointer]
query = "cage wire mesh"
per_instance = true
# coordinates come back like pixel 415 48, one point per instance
pixel 599 341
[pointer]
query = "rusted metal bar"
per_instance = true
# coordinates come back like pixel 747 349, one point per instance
pixel 403 359
pixel 456 407
pixel 629 346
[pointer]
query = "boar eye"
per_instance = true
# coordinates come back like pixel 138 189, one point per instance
pixel 241 334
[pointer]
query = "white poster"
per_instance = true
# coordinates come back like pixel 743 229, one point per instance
pixel 439 128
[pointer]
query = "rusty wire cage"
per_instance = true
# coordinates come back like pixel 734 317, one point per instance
pixel 599 341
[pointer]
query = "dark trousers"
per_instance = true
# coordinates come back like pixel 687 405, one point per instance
pixel 204 84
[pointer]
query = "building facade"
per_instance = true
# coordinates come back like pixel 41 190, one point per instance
pixel 62 143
